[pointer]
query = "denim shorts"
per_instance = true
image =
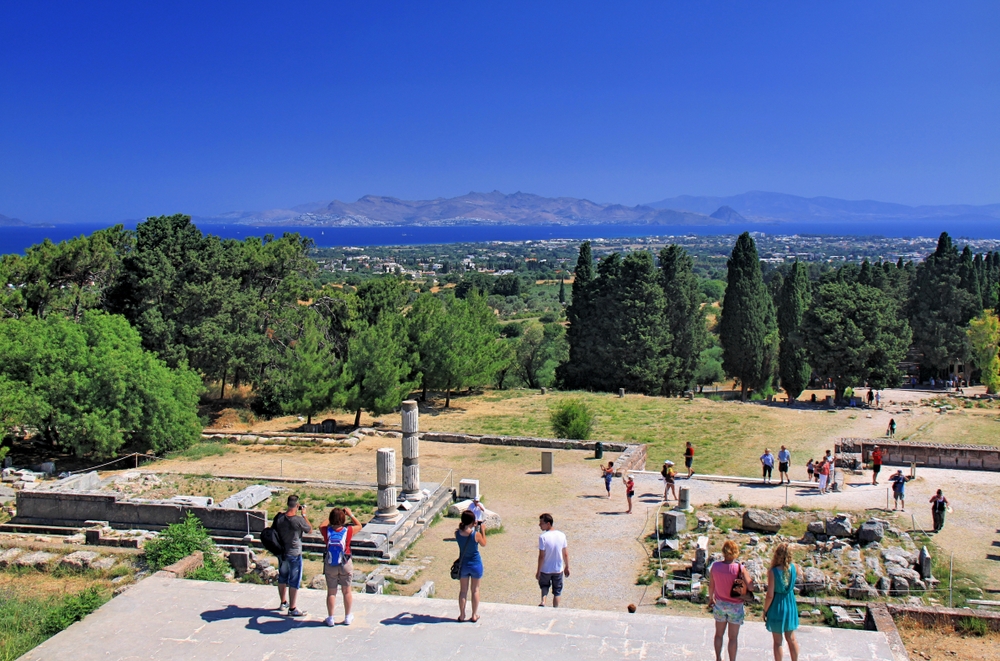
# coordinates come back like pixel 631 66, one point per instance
pixel 555 581
pixel 290 571
pixel 727 611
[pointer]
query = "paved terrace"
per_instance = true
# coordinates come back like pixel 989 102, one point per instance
pixel 167 619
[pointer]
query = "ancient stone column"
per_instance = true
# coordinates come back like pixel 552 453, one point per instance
pixel 684 499
pixel 385 462
pixel 411 450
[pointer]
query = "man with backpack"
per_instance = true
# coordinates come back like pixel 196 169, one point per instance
pixel 290 526
pixel 337 566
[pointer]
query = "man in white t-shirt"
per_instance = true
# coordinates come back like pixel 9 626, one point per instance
pixel 553 560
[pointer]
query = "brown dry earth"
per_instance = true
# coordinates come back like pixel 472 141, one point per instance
pixel 925 644
pixel 605 556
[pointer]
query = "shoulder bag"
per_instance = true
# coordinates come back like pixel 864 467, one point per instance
pixel 456 567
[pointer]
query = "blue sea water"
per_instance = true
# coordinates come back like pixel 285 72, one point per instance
pixel 16 239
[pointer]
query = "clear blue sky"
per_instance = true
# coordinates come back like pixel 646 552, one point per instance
pixel 122 110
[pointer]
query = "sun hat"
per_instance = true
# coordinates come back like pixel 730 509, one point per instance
pixel 668 463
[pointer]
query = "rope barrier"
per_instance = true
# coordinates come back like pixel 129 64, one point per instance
pixel 134 455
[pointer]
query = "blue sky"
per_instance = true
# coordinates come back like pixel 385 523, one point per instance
pixel 122 110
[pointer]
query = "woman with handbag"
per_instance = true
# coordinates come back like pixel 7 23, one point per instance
pixel 939 507
pixel 781 614
pixel 468 569
pixel 729 584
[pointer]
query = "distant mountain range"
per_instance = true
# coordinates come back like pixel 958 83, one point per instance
pixel 498 208
pixel 758 206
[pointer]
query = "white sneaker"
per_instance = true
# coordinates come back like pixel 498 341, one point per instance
pixel 348 619
pixel 329 621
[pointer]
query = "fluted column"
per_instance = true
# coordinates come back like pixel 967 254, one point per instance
pixel 385 463
pixel 411 449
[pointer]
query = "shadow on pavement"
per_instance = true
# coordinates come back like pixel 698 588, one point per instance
pixel 261 620
pixel 409 619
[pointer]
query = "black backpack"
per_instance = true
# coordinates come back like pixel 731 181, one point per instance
pixel 271 540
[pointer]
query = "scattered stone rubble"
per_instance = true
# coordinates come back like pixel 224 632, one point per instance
pixel 835 557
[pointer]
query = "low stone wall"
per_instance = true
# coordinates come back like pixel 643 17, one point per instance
pixel 878 618
pixel 947 617
pixel 73 509
pixel 633 455
pixel 184 566
pixel 933 455
pixel 281 438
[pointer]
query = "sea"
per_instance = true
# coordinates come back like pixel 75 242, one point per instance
pixel 17 239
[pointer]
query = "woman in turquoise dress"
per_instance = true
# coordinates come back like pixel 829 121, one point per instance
pixel 781 614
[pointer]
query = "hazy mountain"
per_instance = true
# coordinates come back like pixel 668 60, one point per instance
pixel 758 206
pixel 728 214
pixel 5 220
pixel 494 208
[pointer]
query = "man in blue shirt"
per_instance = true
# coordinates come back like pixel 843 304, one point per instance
pixel 784 458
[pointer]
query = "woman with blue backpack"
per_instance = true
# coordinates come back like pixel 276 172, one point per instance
pixel 470 537
pixel 337 566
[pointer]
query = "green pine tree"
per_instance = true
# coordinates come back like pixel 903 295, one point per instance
pixel 312 375
pixel 747 327
pixel 378 367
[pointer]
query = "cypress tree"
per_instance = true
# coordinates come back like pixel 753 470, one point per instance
pixel 579 331
pixel 747 328
pixel 685 318
pixel 793 368
pixel 562 291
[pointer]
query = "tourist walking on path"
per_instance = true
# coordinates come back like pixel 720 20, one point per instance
pixel 878 399
pixel 337 566
pixel 290 527
pixel 939 507
pixel 608 472
pixel 669 474
pixel 871 398
pixel 891 431
pixel 767 465
pixel 470 566
pixel 824 474
pixel 781 614
pixel 811 469
pixel 553 560
pixel 629 490
pixel 899 489
pixel 876 464
pixel 727 609
pixel 784 459
pixel 689 458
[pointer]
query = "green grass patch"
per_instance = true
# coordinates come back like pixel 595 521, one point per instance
pixel 972 626
pixel 729 502
pixel 202 450
pixel 27 621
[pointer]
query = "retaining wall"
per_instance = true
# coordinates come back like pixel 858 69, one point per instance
pixel 933 455
pixel 74 508
pixel 944 616
pixel 633 455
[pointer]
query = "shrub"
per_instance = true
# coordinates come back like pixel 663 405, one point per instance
pixel 74 608
pixel 180 540
pixel 572 419
pixel 730 503
pixel 548 318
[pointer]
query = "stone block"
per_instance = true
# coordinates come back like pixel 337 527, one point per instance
pixel 858 588
pixel 547 463
pixel 674 523
pixel 240 562
pixel 839 526
pixel 669 545
pixel 761 521
pixel 924 563
pixel 318 582
pixel 811 579
pixel 426 590
pixel 468 489
pixel 105 563
pixel 871 531
pixel 8 556
pixel 79 559
pixel 375 585
pixel 816 527
pixel 37 559
pixel 186 564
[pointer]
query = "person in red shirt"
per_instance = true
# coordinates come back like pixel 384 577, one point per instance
pixel 337 566
pixel 876 464
pixel 689 458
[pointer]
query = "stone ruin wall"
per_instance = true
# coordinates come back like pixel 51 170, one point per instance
pixel 932 455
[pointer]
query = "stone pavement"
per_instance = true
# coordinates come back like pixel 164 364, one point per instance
pixel 173 619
